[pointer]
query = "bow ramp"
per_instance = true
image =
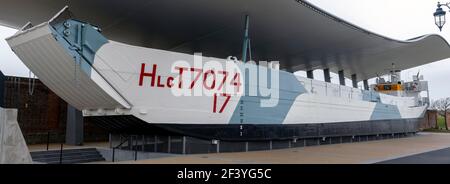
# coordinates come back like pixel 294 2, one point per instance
pixel 61 53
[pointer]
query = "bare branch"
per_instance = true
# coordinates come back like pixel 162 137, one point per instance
pixel 441 106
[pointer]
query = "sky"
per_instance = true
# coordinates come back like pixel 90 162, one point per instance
pixel 399 19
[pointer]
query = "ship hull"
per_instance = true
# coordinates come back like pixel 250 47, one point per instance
pixel 254 132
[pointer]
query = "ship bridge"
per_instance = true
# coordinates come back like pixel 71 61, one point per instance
pixel 296 33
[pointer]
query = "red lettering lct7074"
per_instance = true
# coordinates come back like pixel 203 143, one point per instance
pixel 219 80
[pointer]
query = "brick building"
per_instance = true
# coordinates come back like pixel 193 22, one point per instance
pixel 430 120
pixel 448 119
pixel 40 111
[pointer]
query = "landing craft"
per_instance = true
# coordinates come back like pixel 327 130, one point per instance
pixel 127 86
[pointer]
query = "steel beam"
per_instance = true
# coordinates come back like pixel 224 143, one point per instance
pixel 366 84
pixel 74 127
pixel 354 81
pixel 341 77
pixel 326 75
pixel 246 43
pixel 310 74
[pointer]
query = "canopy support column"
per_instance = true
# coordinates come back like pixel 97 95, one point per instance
pixel 74 126
pixel 326 75
pixel 354 81
pixel 366 84
pixel 310 74
pixel 341 77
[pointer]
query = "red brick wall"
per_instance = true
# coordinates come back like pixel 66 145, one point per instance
pixel 42 112
pixel 448 119
pixel 429 120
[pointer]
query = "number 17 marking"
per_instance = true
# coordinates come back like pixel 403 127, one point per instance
pixel 222 108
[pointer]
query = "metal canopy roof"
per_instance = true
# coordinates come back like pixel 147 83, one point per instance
pixel 298 34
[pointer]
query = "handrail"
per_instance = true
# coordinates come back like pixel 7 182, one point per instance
pixel 336 90
pixel 114 148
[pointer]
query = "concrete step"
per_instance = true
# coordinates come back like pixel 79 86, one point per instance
pixel 37 153
pixel 64 153
pixel 73 160
pixel 78 161
pixel 68 156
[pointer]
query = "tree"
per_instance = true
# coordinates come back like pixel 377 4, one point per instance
pixel 442 106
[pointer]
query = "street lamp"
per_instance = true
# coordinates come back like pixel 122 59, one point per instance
pixel 439 15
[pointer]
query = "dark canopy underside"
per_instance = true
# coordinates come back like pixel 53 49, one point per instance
pixel 296 33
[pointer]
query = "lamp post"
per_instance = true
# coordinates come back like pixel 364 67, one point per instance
pixel 439 15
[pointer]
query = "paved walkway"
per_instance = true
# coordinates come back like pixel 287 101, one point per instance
pixel 441 156
pixel 352 153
